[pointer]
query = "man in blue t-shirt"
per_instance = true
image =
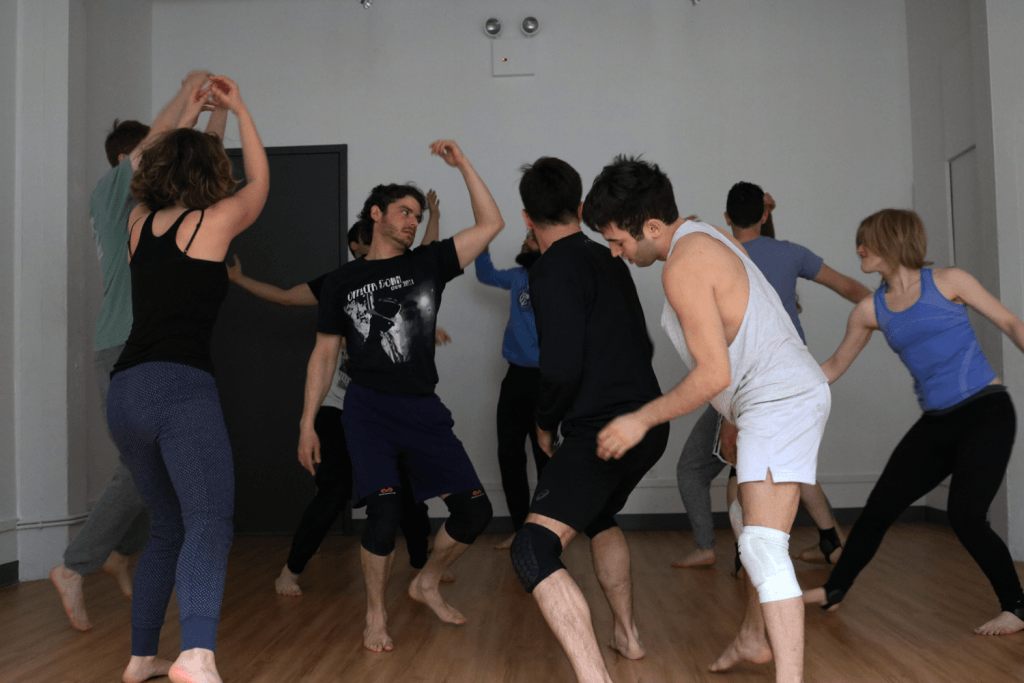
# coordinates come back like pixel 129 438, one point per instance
pixel 119 524
pixel 517 401
pixel 385 307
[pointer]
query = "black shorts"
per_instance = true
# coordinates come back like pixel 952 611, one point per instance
pixel 383 429
pixel 583 491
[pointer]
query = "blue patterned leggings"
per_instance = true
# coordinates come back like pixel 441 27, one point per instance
pixel 167 422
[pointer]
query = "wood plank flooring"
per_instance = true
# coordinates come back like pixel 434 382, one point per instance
pixel 909 618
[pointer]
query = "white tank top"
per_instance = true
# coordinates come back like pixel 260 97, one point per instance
pixel 767 358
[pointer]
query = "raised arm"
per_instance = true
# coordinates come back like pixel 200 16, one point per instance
pixel 470 242
pixel 433 230
pixel 238 212
pixel 319 374
pixel 691 293
pixel 859 327
pixel 299 295
pixel 489 275
pixel 218 122
pixel 170 115
pixel 844 286
pixel 957 284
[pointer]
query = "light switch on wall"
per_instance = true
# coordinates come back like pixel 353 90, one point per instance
pixel 513 57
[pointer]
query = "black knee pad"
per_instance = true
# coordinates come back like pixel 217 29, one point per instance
pixel 601 523
pixel 470 514
pixel 383 510
pixel 535 554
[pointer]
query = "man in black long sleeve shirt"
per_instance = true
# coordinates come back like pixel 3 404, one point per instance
pixel 595 364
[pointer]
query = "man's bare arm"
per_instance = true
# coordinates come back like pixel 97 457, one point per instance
pixel 299 295
pixel 470 242
pixel 843 285
pixel 433 231
pixel 319 374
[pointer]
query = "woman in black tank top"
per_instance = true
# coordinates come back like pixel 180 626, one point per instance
pixel 163 407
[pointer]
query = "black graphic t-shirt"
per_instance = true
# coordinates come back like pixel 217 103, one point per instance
pixel 387 311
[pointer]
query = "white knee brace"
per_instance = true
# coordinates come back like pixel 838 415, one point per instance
pixel 736 518
pixel 765 555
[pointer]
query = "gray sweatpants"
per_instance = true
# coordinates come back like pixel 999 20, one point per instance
pixel 120 520
pixel 694 472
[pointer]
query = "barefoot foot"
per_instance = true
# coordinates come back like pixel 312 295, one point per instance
pixel 69 586
pixel 429 595
pixel 287 583
pixel 195 666
pixel 818 596
pixel 744 649
pixel 627 643
pixel 116 566
pixel 375 635
pixel 700 557
pixel 506 544
pixel 1003 625
pixel 448 577
pixel 143 668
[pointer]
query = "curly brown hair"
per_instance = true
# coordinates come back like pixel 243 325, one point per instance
pixel 183 166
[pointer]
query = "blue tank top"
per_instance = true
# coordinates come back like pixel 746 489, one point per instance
pixel 936 342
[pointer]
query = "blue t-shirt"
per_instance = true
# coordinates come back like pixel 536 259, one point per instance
pixel 782 263
pixel 520 345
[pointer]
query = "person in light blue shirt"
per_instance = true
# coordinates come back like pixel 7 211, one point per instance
pixel 517 401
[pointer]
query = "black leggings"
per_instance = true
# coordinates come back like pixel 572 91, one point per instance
pixel 972 444
pixel 517 405
pixel 333 491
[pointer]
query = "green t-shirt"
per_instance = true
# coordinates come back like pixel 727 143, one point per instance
pixel 109 206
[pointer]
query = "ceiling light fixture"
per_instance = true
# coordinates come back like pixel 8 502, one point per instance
pixel 492 27
pixel 530 26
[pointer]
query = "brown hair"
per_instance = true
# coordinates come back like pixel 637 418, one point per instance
pixel 897 235
pixel 123 138
pixel 183 166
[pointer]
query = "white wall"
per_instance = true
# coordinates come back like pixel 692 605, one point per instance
pixel 8 136
pixel 809 98
pixel 1005 21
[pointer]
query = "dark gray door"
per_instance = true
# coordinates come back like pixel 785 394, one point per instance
pixel 260 350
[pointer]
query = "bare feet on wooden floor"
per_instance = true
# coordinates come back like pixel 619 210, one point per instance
pixel 287 583
pixel 748 647
pixel 116 567
pixel 817 596
pixel 429 595
pixel 627 643
pixel 505 544
pixel 699 557
pixel 1003 625
pixel 197 665
pixel 69 586
pixel 143 668
pixel 375 635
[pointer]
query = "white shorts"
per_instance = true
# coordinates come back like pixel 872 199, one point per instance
pixel 783 436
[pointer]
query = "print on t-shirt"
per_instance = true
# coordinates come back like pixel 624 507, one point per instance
pixel 382 313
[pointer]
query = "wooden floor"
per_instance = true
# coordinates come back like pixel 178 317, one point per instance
pixel 909 618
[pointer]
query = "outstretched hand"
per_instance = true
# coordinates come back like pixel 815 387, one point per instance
pixel 769 203
pixel 235 270
pixel 225 93
pixel 449 151
pixel 198 102
pixel 619 436
pixel 433 204
pixel 194 79
pixel 441 337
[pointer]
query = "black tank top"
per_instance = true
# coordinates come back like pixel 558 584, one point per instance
pixel 175 300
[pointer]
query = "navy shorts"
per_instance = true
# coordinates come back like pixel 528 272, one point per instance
pixel 585 492
pixel 384 429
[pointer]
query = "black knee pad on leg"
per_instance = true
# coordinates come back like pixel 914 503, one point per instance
pixel 471 512
pixel 383 510
pixel 536 552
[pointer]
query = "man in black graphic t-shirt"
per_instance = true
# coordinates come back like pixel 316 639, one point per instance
pixel 385 306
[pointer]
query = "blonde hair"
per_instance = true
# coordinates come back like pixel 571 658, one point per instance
pixel 897 236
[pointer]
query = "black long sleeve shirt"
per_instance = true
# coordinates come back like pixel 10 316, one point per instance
pixel 595 353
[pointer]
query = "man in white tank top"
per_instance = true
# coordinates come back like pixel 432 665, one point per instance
pixel 746 358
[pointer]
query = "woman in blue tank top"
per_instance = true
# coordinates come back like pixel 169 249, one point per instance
pixel 968 425
pixel 163 407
